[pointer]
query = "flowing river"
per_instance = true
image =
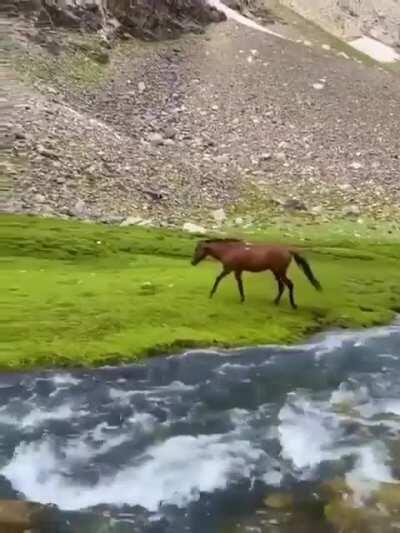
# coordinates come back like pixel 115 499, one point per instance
pixel 194 443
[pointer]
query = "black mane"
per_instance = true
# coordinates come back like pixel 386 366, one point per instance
pixel 227 240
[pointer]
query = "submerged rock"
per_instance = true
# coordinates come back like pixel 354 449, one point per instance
pixel 377 510
pixel 18 516
pixel 279 500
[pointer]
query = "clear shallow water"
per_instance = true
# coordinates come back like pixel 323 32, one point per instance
pixel 193 443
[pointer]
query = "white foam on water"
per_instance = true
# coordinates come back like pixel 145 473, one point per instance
pixel 305 437
pixel 388 356
pixel 273 478
pixel 64 379
pixel 331 342
pixel 310 433
pixel 370 470
pixel 232 368
pixel 387 406
pixel 79 449
pixel 324 345
pixel 239 416
pixel 350 397
pixel 124 396
pixel 143 422
pixel 173 472
pixel 37 416
pixel 176 386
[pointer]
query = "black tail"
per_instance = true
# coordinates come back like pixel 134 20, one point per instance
pixel 305 267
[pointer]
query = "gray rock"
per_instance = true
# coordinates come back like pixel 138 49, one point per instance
pixel 352 211
pixel 169 133
pixel 219 216
pixel 194 228
pixel 131 221
pixel 79 209
pixel 39 198
pixel 222 159
pixel 169 142
pixel 136 221
pixel 156 139
pixel 294 204
pixel 280 156
pixel 45 152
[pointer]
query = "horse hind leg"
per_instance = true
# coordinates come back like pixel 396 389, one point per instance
pixel 281 288
pixel 238 276
pixel 289 284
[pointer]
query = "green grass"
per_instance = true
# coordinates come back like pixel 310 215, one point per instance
pixel 76 294
pixel 75 66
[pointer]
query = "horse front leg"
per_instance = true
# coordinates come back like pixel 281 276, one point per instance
pixel 218 280
pixel 238 276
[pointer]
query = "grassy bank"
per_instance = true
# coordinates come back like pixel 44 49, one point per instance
pixel 87 294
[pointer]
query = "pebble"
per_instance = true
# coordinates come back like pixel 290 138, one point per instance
pixel 156 139
pixel 131 221
pixel 280 156
pixel 356 165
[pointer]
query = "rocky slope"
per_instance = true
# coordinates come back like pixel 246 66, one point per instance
pixel 231 121
pixel 114 18
pixel 379 19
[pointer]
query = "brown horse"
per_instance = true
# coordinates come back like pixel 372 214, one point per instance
pixel 237 256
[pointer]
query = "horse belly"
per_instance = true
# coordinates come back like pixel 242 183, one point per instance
pixel 256 263
pixel 257 268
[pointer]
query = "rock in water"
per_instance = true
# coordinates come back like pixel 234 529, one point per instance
pixel 18 516
pixel 279 501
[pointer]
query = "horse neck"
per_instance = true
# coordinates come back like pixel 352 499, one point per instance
pixel 216 250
